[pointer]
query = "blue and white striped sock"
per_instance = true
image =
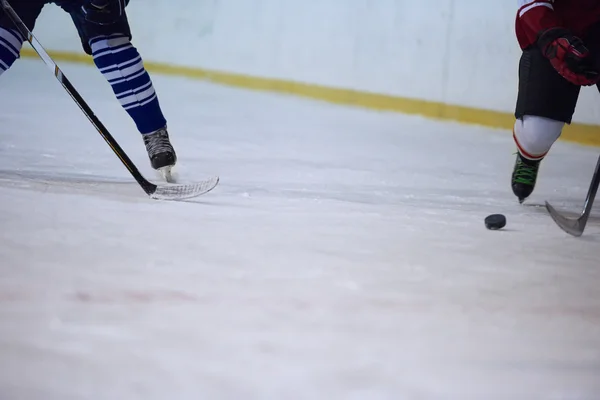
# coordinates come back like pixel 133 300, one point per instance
pixel 10 47
pixel 121 64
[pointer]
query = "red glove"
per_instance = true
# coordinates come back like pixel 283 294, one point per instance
pixel 569 56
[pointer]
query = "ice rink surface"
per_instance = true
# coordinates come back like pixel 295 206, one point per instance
pixel 342 256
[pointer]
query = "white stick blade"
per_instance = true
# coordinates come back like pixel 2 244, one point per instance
pixel 180 192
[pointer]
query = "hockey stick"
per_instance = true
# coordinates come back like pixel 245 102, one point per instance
pixel 167 192
pixel 576 226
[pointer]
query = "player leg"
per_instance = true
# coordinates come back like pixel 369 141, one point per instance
pixel 11 40
pixel 545 102
pixel 121 64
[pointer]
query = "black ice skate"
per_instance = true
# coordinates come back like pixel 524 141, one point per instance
pixel 160 151
pixel 524 177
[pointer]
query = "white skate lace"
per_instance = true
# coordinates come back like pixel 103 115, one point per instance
pixel 157 142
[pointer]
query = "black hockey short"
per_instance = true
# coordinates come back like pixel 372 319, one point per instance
pixel 29 10
pixel 542 91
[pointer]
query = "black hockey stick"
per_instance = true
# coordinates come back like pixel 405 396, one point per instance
pixel 167 192
pixel 576 226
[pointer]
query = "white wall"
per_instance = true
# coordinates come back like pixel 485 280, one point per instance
pixel 455 51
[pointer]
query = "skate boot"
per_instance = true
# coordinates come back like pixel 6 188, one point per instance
pixel 524 176
pixel 160 151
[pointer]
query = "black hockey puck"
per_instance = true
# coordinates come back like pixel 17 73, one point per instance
pixel 495 221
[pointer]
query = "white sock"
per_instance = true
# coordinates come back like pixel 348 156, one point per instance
pixel 535 135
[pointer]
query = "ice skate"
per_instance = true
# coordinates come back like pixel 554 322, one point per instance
pixel 161 153
pixel 524 177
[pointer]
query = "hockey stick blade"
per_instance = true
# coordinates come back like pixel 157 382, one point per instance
pixel 576 226
pixel 573 226
pixel 181 192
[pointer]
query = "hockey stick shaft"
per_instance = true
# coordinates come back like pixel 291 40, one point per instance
pixel 147 186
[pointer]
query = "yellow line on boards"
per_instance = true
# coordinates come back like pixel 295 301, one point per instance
pixel 577 133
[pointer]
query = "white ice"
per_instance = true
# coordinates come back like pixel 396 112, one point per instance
pixel 342 256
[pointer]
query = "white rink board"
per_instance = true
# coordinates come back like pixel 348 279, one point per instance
pixel 461 52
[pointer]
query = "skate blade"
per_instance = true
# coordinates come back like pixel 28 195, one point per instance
pixel 167 174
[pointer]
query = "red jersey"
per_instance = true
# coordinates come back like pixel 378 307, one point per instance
pixel 536 15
